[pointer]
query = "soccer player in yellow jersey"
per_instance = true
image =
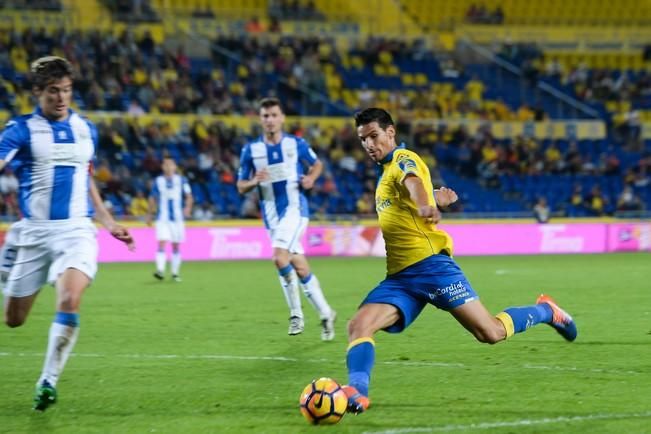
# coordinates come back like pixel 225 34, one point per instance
pixel 420 268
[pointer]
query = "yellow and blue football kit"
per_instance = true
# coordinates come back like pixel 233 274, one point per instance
pixel 420 269
pixel 407 237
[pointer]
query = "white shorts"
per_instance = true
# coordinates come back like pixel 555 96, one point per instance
pixel 287 234
pixel 36 253
pixel 170 231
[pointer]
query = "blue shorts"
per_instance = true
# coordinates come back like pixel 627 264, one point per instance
pixel 436 280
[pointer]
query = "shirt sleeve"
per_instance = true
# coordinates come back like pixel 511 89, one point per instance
pixel 186 186
pixel 12 139
pixel 408 165
pixel 246 164
pixel 94 135
pixel 305 152
pixel 154 190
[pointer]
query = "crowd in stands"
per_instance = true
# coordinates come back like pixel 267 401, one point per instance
pixel 588 178
pixel 573 178
pixel 619 93
pixel 303 10
pixel 137 76
pixel 45 5
pixel 133 11
pixel 480 14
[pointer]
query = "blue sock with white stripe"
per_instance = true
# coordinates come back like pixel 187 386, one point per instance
pixel 519 319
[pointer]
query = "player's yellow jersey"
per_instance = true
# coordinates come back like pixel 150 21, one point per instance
pixel 407 237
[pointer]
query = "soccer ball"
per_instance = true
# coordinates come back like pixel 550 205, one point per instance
pixel 323 402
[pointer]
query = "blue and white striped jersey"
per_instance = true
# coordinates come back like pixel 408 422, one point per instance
pixel 52 160
pixel 170 197
pixel 284 162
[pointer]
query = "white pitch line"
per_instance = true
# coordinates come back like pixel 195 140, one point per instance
pixel 515 423
pixel 322 360
pixel 573 368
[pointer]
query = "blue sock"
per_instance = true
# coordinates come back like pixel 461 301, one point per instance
pixel 360 360
pixel 524 317
pixel 67 319
pixel 306 279
pixel 285 270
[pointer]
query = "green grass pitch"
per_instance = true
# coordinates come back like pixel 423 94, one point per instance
pixel 212 355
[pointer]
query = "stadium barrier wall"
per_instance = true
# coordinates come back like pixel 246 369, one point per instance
pixel 227 243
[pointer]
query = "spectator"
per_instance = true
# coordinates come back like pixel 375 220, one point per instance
pixel 628 200
pixel 139 206
pixel 254 26
pixel 596 202
pixel 203 212
pixel 541 210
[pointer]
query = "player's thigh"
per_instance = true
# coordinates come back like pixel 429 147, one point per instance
pixel 475 318
pixel 70 286
pixel 370 318
pixel 16 309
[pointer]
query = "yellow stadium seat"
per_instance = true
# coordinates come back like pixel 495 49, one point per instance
pixel 357 62
pixel 393 71
pixel 421 79
pixel 407 79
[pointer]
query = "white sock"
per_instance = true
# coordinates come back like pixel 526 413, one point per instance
pixel 160 262
pixel 62 340
pixel 313 292
pixel 289 283
pixel 176 263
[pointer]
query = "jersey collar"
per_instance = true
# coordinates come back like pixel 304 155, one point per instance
pixel 389 156
pixel 273 144
pixel 39 112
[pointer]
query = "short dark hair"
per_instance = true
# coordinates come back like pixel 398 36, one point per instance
pixel 373 114
pixel 49 68
pixel 270 102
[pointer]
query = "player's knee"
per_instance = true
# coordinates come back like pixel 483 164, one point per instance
pixel 302 273
pixel 488 335
pixel 280 261
pixel 69 302
pixel 357 327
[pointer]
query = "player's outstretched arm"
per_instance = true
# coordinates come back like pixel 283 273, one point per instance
pixel 103 216
pixel 445 197
pixel 426 208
